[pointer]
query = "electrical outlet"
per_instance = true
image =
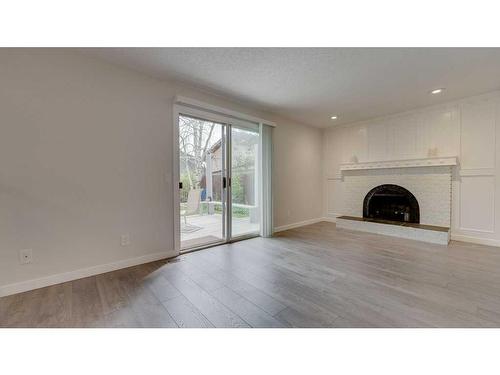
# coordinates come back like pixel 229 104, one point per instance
pixel 26 256
pixel 125 239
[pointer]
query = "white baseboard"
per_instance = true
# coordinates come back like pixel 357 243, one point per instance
pixel 331 219
pixel 299 224
pixel 477 240
pixel 24 286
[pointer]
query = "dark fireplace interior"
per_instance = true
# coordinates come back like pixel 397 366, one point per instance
pixel 391 202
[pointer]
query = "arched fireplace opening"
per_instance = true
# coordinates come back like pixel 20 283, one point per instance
pixel 391 202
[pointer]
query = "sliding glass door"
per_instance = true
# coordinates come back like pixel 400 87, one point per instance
pixel 245 182
pixel 202 190
pixel 219 181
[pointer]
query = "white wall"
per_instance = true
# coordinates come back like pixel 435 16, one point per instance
pixel 467 128
pixel 297 173
pixel 86 155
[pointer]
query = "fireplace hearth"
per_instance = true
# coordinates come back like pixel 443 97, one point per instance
pixel 391 202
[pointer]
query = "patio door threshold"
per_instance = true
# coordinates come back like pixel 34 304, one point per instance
pixel 218 243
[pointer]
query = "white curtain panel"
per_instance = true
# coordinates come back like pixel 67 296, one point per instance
pixel 266 140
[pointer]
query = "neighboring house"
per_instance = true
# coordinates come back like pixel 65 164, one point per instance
pixel 243 179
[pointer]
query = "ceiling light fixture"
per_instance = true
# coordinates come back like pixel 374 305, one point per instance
pixel 437 91
pixel 333 117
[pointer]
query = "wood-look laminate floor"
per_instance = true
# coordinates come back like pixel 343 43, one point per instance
pixel 314 276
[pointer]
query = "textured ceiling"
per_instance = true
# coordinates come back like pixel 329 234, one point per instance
pixel 311 84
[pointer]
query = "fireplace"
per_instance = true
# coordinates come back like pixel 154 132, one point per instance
pixel 391 202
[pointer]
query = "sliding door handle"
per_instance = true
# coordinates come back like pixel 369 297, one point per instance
pixel 224 182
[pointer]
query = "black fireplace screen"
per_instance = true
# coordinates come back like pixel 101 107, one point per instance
pixel 391 202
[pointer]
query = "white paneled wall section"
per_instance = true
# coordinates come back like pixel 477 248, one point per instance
pixel 468 129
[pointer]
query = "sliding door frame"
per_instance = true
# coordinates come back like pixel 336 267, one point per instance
pixel 223 121
pixel 195 109
pixel 228 191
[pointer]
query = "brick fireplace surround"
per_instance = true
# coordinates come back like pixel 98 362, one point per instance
pixel 430 185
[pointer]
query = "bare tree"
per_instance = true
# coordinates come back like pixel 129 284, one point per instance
pixel 195 137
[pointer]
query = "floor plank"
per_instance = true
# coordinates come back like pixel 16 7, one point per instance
pixel 251 293
pixel 87 307
pixel 185 314
pixel 213 310
pixel 252 314
pixel 161 287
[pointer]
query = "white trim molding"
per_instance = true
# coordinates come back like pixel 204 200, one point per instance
pixel 196 104
pixel 24 286
pixel 475 240
pixel 331 217
pixel 408 163
pixel 298 224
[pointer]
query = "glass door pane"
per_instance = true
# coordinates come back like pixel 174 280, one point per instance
pixel 245 200
pixel 202 195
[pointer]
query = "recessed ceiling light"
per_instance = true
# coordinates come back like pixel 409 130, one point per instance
pixel 333 117
pixel 437 91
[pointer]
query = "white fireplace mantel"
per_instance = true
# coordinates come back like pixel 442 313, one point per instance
pixel 408 163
